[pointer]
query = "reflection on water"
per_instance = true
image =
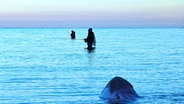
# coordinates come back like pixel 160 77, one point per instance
pixel 46 66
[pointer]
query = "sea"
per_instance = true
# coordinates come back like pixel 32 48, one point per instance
pixel 45 66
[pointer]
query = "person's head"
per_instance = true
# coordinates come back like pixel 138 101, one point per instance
pixel 90 29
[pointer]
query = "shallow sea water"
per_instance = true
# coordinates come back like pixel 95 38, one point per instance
pixel 46 66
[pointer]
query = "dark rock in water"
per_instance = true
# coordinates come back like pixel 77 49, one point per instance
pixel 117 90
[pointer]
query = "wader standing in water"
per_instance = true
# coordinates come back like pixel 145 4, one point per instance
pixel 90 39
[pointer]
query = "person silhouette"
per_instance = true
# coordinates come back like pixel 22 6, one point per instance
pixel 90 39
pixel 72 34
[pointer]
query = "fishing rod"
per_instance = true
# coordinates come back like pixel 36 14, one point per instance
pixel 70 33
pixel 78 39
pixel 65 29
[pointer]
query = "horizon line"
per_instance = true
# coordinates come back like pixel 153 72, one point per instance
pixel 83 27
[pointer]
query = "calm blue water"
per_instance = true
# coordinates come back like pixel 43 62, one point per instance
pixel 46 66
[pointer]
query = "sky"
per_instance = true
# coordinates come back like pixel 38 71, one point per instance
pixel 91 13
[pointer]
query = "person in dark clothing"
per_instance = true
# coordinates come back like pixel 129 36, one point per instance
pixel 72 34
pixel 90 39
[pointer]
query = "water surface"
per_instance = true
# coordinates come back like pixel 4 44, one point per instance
pixel 46 66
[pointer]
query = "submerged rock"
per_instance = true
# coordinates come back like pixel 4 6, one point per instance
pixel 117 90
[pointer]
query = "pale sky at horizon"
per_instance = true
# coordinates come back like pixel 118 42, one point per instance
pixel 96 13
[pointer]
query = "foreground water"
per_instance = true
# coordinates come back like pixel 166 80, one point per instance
pixel 46 66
